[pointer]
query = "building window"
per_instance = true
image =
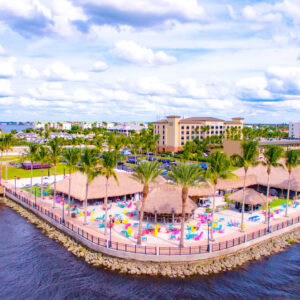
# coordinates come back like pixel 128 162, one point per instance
pixel 182 127
pixel 193 137
pixel 182 137
pixel 182 132
pixel 193 127
pixel 187 127
pixel 163 126
pixel 217 132
pixel 163 142
pixel 187 132
pixel 171 123
pixel 212 132
pixel 201 137
pixel 217 127
pixel 182 143
pixel 187 137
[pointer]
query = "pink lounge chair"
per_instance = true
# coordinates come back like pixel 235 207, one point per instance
pixel 129 205
pixel 199 236
pixel 127 225
pixel 221 231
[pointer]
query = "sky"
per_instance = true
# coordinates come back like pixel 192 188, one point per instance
pixel 140 60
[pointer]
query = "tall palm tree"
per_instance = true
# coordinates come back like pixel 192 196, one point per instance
pixel 72 158
pixel 145 173
pixel 218 168
pixel 2 149
pixel 247 159
pixel 55 151
pixel 43 157
pixel 291 162
pixel 108 163
pixel 185 175
pixel 272 156
pixel 31 156
pixel 89 162
pixel 8 141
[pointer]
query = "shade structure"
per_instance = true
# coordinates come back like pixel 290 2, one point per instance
pixel 127 186
pixel 166 199
pixel 252 197
pixel 279 177
pixel 226 184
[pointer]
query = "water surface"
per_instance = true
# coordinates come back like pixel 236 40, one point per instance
pixel 33 266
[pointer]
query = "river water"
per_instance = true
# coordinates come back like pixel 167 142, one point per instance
pixel 33 266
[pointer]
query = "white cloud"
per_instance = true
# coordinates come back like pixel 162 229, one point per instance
pixel 30 72
pixel 99 66
pixel 2 51
pixel 7 67
pixel 136 54
pixel 5 88
pixel 153 86
pixel 189 87
pixel 60 72
pixel 253 88
pixel 261 13
pixel 284 79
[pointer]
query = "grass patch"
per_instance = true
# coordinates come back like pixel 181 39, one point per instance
pixel 13 157
pixel 13 172
pixel 276 202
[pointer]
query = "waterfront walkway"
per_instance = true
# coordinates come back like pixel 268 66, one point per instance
pixel 95 237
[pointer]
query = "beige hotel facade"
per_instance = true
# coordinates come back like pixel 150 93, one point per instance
pixel 174 131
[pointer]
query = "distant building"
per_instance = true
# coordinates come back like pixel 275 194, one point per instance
pixel 294 130
pixel 175 132
pixel 126 128
pixel 28 137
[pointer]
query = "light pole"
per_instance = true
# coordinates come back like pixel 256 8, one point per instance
pixel 269 219
pixel 110 216
pixel 208 222
pixel 35 197
pixel 63 211
pixel 15 184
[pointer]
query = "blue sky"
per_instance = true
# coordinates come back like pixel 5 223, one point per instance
pixel 118 60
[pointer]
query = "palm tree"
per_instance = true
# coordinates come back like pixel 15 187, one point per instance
pixel 247 159
pixel 89 162
pixel 186 175
pixel 8 141
pixel 145 173
pixel 43 157
pixel 108 163
pixel 291 162
pixel 72 157
pixel 55 151
pixel 218 168
pixel 32 155
pixel 2 149
pixel 272 156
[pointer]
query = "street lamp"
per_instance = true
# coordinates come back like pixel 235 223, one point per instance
pixel 269 219
pixel 63 211
pixel 208 223
pixel 35 197
pixel 110 217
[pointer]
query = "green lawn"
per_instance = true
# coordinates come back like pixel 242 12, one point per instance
pixel 275 203
pixel 38 190
pixel 19 172
pixel 13 157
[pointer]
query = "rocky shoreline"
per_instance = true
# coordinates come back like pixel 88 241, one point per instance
pixel 172 270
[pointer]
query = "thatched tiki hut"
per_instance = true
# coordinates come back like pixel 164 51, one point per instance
pixel 127 188
pixel 164 204
pixel 253 199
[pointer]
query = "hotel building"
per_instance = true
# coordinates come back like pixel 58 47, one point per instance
pixel 175 132
pixel 294 130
